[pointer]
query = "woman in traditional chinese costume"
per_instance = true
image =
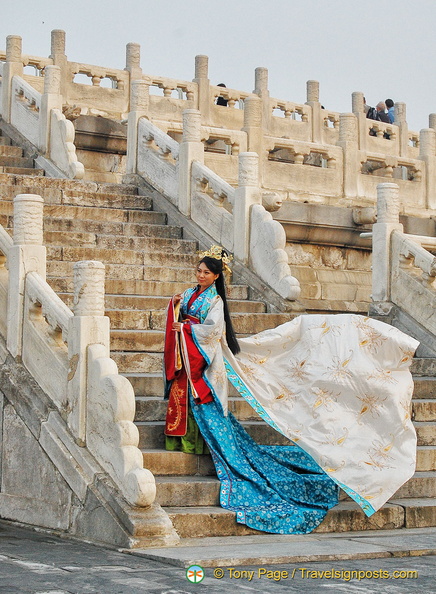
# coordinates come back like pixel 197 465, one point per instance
pixel 337 386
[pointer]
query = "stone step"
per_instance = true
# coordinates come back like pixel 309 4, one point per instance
pixel 346 516
pixel 196 491
pixel 151 385
pixel 5 141
pixel 6 150
pixel 106 200
pixel 329 306
pixel 16 161
pixel 80 215
pixel 426 432
pixel 147 408
pixel 151 433
pixel 243 323
pixel 423 367
pixel 71 187
pixel 163 259
pixel 161 462
pixel 424 410
pixel 22 171
pixel 150 304
pixel 130 236
pixel 129 340
pixel 153 408
pixel 164 463
pixel 426 458
pixel 64 284
pixel 120 271
pixel 137 362
pixel 425 387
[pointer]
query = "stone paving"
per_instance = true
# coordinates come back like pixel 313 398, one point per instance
pixel 40 563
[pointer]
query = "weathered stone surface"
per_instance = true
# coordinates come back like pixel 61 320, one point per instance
pixel 24 500
pixel 419 513
pixel 161 462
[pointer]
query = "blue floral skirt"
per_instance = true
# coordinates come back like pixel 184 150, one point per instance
pixel 278 489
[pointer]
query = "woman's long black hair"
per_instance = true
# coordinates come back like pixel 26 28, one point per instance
pixel 216 266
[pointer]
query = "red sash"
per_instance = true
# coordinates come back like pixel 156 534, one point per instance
pixel 184 365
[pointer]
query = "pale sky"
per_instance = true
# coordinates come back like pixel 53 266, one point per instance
pixel 384 48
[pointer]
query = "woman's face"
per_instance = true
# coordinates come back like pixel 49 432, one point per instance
pixel 205 277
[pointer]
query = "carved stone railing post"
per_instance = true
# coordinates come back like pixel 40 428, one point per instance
pixel 51 99
pixel 388 213
pixel 139 105
pixel 400 121
pixel 261 89
pixel 12 67
pixel 253 128
pixel 312 93
pixel 191 149
pixel 358 103
pixel 58 55
pixel 133 62
pixel 203 84
pixel 348 141
pixel 27 254
pixel 427 153
pixel 88 326
pixel 246 194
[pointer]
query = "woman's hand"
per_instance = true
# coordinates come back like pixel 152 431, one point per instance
pixel 177 326
pixel 177 298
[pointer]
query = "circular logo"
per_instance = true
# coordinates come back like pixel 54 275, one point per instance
pixel 195 574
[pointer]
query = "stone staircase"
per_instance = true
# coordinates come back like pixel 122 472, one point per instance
pixel 147 261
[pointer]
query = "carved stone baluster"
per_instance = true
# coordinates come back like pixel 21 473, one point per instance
pixel 388 213
pixel 247 193
pixel 88 326
pixel 191 149
pixel 27 254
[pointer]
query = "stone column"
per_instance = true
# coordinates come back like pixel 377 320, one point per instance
pixel 88 326
pixel 246 194
pixel 133 61
pixel 139 107
pixel 203 88
pixel 400 121
pixel 253 128
pixel 57 54
pixel 12 67
pixel 432 121
pixel 312 95
pixel 27 254
pixel 427 153
pixel 357 100
pixel 348 141
pixel 388 220
pixel 191 149
pixel 51 99
pixel 261 89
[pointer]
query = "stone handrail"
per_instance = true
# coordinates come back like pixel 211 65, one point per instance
pixel 409 247
pixel 97 73
pixel 38 118
pixel 54 310
pixel 62 148
pixel 67 353
pixel 404 272
pixel 208 182
pixel 320 127
pixel 153 161
pixel 5 241
pixel 25 108
pixel 168 85
pixel 164 142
